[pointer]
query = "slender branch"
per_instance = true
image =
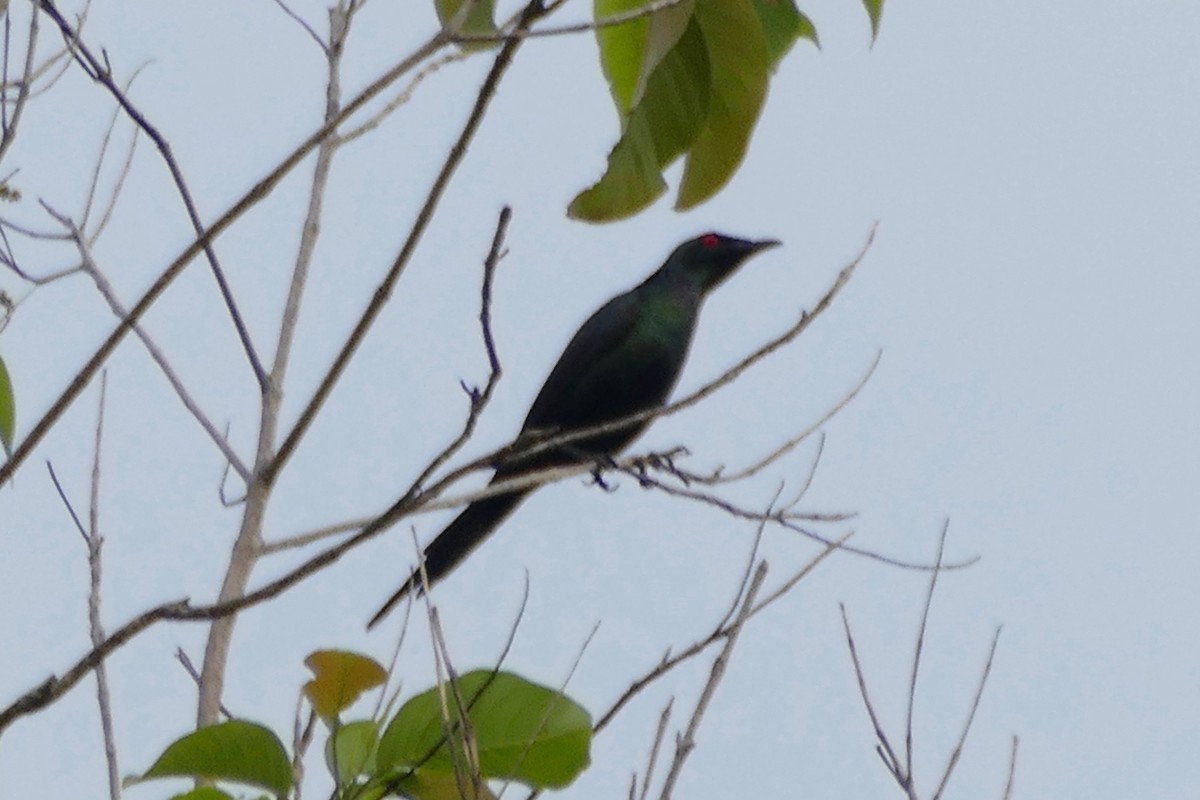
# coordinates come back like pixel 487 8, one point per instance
pixel 669 662
pixel 252 197
pixel 791 444
pixel 685 745
pixel 99 72
pixel 89 266
pixel 883 745
pixel 403 96
pixel 1012 769
pixel 18 109
pixel 299 20
pixel 95 543
pixel 917 650
pixel 246 548
pixel 610 21
pixel 655 746
pixel 962 739
pixel 532 11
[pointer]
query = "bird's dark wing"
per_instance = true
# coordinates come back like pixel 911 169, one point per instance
pixel 599 337
pixel 617 364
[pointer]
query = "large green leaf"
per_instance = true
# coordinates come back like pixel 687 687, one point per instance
pixel 739 63
pixel 8 410
pixel 350 750
pixel 237 751
pixel 522 731
pixel 621 48
pixel 673 108
pixel 690 78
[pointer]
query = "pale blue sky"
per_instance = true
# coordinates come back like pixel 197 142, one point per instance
pixel 1034 171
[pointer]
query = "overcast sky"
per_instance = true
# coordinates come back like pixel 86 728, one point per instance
pixel 1034 172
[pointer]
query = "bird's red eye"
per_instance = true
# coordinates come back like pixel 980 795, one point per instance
pixel 710 240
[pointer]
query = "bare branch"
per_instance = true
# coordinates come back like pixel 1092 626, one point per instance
pixel 918 649
pixel 1012 769
pixel 883 746
pixel 655 746
pixel 303 24
pixel 12 122
pixel 185 661
pixel 962 739
pixel 95 542
pixel 252 197
pixel 88 265
pixel 669 662
pixel 102 74
pixel 685 745
pixel 403 96
pixel 564 30
pixel 532 11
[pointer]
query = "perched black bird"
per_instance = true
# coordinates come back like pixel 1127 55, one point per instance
pixel 626 358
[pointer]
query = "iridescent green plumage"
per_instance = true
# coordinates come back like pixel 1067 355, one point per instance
pixel 624 359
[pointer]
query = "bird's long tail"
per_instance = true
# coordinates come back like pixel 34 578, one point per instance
pixel 455 542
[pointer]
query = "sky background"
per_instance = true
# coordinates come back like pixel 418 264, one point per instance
pixel 1034 172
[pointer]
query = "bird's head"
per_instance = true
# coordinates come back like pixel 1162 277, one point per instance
pixel 713 257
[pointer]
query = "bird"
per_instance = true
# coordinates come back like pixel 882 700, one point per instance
pixel 625 359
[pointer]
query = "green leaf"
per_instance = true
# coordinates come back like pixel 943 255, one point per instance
pixel 238 751
pixel 8 410
pixel 875 12
pixel 480 20
pixel 350 751
pixel 782 25
pixel 427 785
pixel 621 48
pixel 203 793
pixel 672 110
pixel 522 731
pixel 737 52
pixel 340 678
pixel 666 28
pixel 690 79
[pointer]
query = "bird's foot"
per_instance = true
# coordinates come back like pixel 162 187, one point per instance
pixel 603 463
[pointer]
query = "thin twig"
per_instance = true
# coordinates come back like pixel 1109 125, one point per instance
pixel 532 11
pixel 245 552
pixel 962 739
pixel 883 746
pixel 669 662
pixel 659 734
pixel 610 21
pixel 185 661
pixel 89 266
pixel 687 743
pixel 402 97
pixel 100 73
pixel 252 197
pixel 23 88
pixel 1012 769
pixel 303 24
pixel 95 542
pixel 918 649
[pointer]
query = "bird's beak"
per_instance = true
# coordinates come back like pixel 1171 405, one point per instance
pixel 763 244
